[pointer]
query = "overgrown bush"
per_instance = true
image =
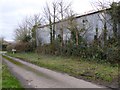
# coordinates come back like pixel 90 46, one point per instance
pixel 91 51
pixel 113 55
pixel 23 47
pixel 10 47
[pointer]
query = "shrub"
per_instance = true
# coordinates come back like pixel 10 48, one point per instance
pixel 23 47
pixel 10 47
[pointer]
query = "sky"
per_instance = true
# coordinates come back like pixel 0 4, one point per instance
pixel 13 12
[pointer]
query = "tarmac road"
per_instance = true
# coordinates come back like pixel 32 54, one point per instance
pixel 32 76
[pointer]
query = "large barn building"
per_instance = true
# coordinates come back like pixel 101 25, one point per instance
pixel 89 22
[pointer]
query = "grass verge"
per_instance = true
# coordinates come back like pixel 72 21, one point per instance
pixel 92 71
pixel 0 72
pixel 8 80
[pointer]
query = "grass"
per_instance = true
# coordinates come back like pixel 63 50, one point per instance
pixel 76 67
pixel 0 73
pixel 8 80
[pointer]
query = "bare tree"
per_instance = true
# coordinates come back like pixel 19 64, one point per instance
pixel 47 13
pixel 33 22
pixel 26 31
pixel 103 15
pixel 22 33
pixel 63 8
pixel 114 13
pixel 54 15
pixel 73 27
pixel 77 28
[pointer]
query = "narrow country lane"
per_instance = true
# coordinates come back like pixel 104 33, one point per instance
pixel 32 76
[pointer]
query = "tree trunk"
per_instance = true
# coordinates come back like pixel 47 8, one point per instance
pixel 54 26
pixel 105 34
pixel 115 29
pixel 51 39
pixel 62 27
pixel 61 30
pixel 77 41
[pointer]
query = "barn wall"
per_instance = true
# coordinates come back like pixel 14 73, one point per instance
pixel 91 22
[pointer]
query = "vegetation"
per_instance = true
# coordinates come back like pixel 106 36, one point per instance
pixel 3 44
pixel 102 50
pixel 0 74
pixel 8 80
pixel 98 60
pixel 1 40
pixel 80 68
pixel 25 34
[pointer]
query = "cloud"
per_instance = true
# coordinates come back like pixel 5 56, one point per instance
pixel 13 11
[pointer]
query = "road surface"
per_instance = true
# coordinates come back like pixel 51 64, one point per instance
pixel 32 76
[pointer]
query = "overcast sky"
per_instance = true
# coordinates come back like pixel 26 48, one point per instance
pixel 13 12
